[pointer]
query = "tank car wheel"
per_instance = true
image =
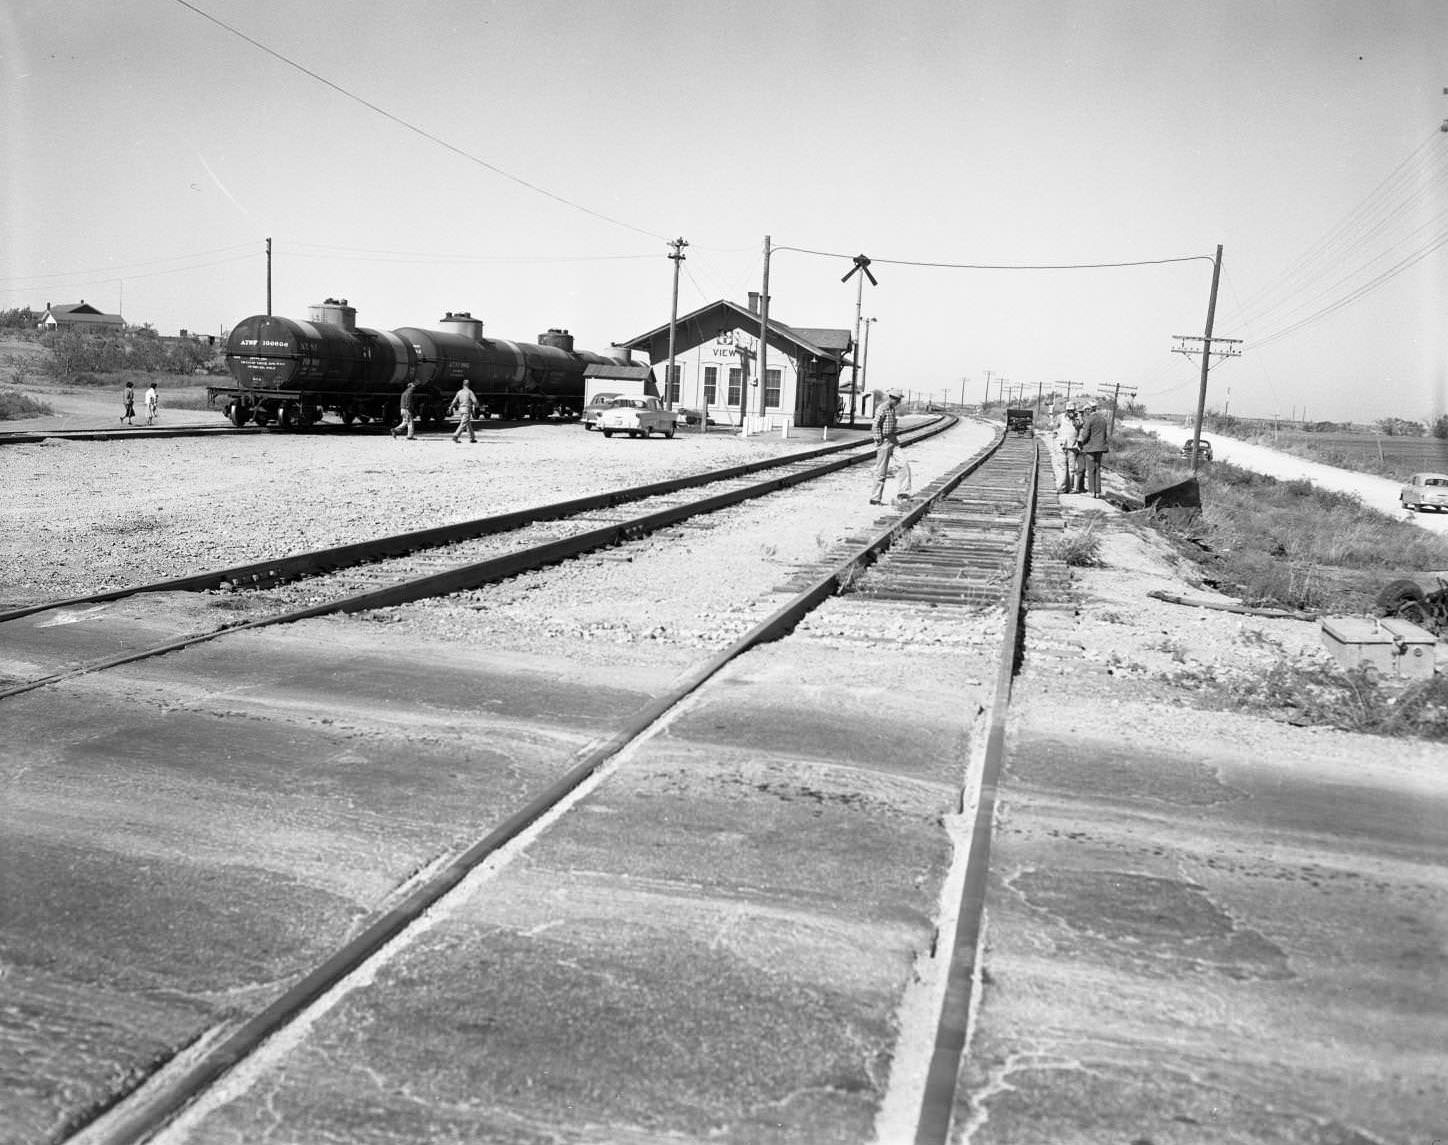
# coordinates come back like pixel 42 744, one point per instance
pixel 237 414
pixel 260 416
pixel 608 433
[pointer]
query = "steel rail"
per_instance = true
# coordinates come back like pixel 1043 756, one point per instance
pixel 159 1100
pixel 952 1032
pixel 476 574
pixel 363 552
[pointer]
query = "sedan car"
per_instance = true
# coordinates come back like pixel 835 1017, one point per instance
pixel 1204 449
pixel 1425 491
pixel 638 417
pixel 593 411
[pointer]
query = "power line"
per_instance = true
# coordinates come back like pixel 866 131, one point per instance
pixel 1007 266
pixel 469 156
pixel 133 269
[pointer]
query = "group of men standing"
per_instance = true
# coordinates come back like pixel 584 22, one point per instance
pixel 1083 432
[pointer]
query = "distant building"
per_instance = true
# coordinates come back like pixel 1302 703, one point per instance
pixel 78 316
pixel 716 366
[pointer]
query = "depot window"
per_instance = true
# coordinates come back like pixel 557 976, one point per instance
pixel 675 372
pixel 711 385
pixel 771 389
pixel 736 385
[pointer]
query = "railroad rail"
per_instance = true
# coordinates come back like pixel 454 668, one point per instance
pixel 964 547
pixel 394 570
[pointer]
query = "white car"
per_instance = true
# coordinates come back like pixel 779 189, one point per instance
pixel 638 417
pixel 1425 491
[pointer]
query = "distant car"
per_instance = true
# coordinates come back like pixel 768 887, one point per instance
pixel 638 417
pixel 595 407
pixel 1204 449
pixel 1425 491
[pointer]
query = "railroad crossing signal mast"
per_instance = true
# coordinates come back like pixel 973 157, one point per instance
pixel 862 268
pixel 1206 345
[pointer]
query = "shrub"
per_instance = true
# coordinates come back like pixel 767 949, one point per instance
pixel 1079 548
pixel 15 405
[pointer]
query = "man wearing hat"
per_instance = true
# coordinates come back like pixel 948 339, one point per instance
pixel 1094 444
pixel 1067 430
pixel 886 431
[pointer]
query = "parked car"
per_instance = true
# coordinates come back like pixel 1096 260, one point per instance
pixel 595 407
pixel 638 417
pixel 1204 449
pixel 1425 491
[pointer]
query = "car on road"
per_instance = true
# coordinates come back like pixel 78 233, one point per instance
pixel 1425 491
pixel 638 417
pixel 1204 449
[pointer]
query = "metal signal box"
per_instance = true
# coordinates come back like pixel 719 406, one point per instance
pixel 1389 646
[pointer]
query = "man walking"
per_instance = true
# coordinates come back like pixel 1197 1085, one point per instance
pixel 464 404
pixel 153 403
pixel 886 431
pixel 1093 445
pixel 405 404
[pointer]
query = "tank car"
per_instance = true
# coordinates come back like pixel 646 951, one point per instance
pixel 291 373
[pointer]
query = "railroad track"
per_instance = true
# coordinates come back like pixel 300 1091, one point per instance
pixel 394 570
pixel 962 552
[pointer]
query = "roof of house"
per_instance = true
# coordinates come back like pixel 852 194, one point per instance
pixel 80 313
pixel 822 342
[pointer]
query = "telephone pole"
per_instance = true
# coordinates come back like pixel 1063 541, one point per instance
pixel 1115 397
pixel 986 402
pixel 1230 348
pixel 677 257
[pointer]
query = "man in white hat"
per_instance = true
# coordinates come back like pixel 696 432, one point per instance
pixel 1066 436
pixel 886 432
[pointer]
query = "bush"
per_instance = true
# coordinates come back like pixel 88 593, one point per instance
pixel 1286 544
pixel 15 405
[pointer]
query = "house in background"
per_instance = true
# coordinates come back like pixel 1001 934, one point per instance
pixel 78 316
pixel 716 367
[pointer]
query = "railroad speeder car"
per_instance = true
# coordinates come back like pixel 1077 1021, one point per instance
pixel 290 373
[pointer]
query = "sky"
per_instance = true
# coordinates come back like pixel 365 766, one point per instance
pixel 529 161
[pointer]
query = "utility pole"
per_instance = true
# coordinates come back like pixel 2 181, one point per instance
pixel 1039 387
pixel 1115 397
pixel 1231 348
pixel 986 402
pixel 268 278
pixel 761 378
pixel 676 257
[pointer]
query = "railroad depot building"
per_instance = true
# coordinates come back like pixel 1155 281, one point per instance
pixel 716 366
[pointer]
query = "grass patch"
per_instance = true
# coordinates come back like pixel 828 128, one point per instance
pixel 1079 547
pixel 14 405
pixel 1324 694
pixel 1285 544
